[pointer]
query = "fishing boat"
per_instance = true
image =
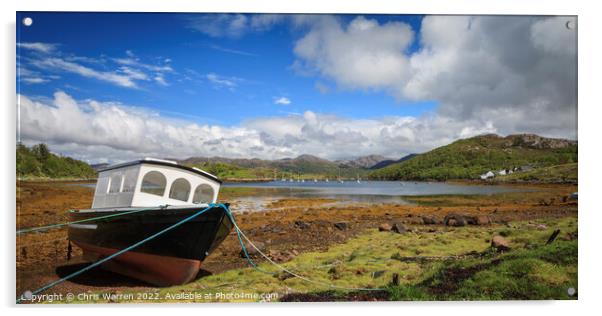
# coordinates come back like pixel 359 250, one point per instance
pixel 147 196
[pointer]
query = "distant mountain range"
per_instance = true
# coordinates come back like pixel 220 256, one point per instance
pixel 366 162
pixel 387 162
pixel 303 164
pixel 552 159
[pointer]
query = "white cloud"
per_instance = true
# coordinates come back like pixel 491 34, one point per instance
pixel 134 73
pixel 136 63
pixel 126 71
pixel 39 47
pixel 282 100
pixel 362 54
pixel 34 80
pixel 517 72
pixel 232 25
pixel 96 131
pixel 160 79
pixel 219 81
pixel 231 51
pixel 55 63
pixel 33 77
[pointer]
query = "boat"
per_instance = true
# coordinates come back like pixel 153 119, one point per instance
pixel 152 194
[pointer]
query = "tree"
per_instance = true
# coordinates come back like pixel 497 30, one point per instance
pixel 41 152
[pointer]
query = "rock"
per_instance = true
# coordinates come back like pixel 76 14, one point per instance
pixel 341 225
pixel 414 221
pixel 251 250
pixel 541 227
pixel 483 220
pixel 301 224
pixel 429 220
pixel 500 243
pixel 399 228
pixel 334 273
pixel 456 220
pixel 384 227
pixel 471 220
pixel 378 274
pixel 284 275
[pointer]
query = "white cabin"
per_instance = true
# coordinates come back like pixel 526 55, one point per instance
pixel 153 182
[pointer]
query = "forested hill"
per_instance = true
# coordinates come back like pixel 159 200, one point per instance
pixel 39 162
pixel 469 158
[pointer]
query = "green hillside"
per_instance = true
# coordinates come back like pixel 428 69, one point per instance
pixel 552 174
pixel 468 158
pixel 39 162
pixel 230 171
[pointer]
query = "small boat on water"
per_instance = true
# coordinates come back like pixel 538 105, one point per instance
pixel 165 193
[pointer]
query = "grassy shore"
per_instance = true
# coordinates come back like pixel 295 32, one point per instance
pixel 444 264
pixel 432 262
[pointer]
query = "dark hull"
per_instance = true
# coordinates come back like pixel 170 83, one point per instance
pixel 174 257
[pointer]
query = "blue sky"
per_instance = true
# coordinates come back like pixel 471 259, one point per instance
pixel 251 71
pixel 118 86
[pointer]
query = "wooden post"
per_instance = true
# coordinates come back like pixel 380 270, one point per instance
pixel 395 280
pixel 553 237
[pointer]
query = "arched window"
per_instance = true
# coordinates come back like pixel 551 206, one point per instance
pixel 153 183
pixel 203 194
pixel 115 185
pixel 180 190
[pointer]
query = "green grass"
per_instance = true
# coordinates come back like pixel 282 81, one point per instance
pixel 469 158
pixel 529 271
pixel 38 162
pixel 552 174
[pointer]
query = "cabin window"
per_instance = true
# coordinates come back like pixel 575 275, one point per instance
pixel 154 182
pixel 180 190
pixel 102 186
pixel 203 194
pixel 129 181
pixel 115 185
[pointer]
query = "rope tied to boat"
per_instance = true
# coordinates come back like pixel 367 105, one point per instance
pixel 40 228
pixel 120 252
pixel 294 274
pixel 240 234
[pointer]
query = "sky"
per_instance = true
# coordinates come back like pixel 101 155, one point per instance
pixel 109 87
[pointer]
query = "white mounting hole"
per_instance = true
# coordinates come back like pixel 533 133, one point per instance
pixel 27 21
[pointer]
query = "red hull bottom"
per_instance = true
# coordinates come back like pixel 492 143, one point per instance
pixel 153 269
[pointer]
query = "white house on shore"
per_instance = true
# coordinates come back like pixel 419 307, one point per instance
pixel 487 175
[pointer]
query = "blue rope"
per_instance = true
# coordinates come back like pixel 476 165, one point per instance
pixel 33 229
pixel 97 263
pixel 242 244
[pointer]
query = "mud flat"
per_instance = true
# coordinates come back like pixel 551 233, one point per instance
pixel 340 243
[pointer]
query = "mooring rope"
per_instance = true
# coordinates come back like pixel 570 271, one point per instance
pixel 242 244
pixel 33 229
pixel 120 252
pixel 298 275
pixel 240 235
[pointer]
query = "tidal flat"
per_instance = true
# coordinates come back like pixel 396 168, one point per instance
pixel 348 250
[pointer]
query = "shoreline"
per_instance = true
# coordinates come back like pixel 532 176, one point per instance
pixel 289 227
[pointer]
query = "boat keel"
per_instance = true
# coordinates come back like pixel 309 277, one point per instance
pixel 153 269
